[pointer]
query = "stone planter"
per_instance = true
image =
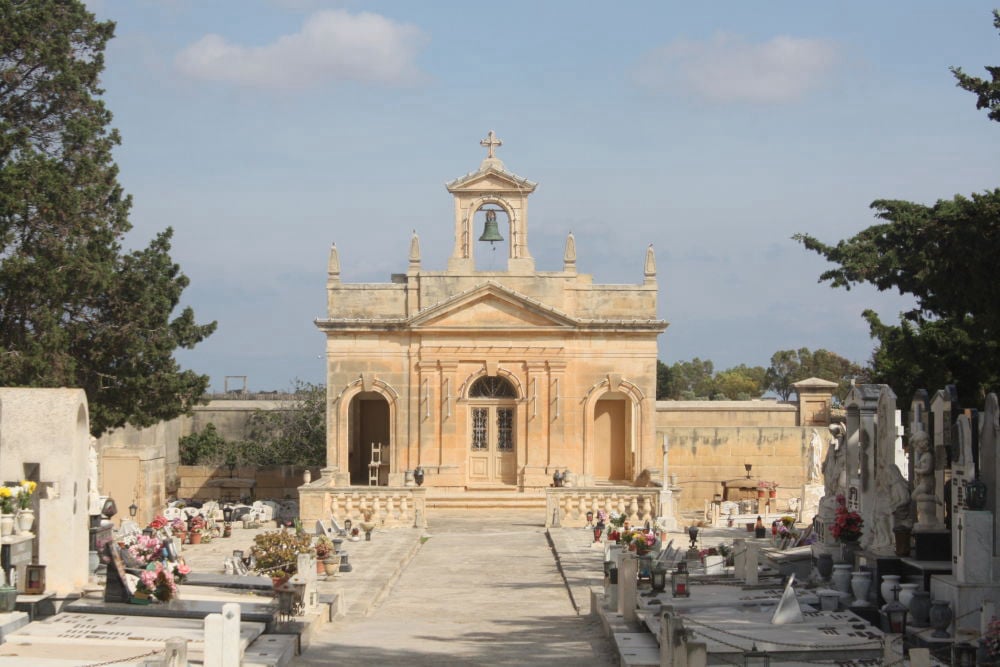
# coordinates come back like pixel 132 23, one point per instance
pixel 25 522
pixel 714 564
pixel 861 583
pixel 920 609
pixel 841 578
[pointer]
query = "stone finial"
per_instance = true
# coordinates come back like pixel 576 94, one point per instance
pixel 569 256
pixel 414 250
pixel 650 268
pixel 333 266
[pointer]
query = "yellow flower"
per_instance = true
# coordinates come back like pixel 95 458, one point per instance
pixel 4 492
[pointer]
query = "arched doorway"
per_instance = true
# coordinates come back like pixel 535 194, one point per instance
pixel 492 446
pixel 612 437
pixel 368 424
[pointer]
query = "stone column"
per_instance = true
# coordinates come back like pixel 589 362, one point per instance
pixel 627 588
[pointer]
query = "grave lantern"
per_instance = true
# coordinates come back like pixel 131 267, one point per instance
pixel 590 518
pixel 133 509
pixel 895 613
pixel 693 536
pixel 227 513
pixel 679 581
pixel 756 658
pixel 658 578
pixel 963 654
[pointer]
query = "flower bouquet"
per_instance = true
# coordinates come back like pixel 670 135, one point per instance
pixel 846 524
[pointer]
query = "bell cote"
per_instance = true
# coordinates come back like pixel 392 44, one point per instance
pixel 500 198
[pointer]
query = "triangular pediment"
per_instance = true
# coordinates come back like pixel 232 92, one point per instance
pixel 491 180
pixel 490 306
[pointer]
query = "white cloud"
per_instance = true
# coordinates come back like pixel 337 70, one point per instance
pixel 728 69
pixel 333 45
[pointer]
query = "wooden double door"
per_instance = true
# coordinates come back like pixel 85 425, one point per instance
pixel 492 445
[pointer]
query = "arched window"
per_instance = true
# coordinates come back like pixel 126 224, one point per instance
pixel 492 386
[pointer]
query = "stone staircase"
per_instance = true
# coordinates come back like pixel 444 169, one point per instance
pixel 486 498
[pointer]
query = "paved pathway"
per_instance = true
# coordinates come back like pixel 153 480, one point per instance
pixel 482 590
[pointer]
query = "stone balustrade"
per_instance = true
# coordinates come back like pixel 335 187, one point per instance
pixel 568 507
pixel 390 507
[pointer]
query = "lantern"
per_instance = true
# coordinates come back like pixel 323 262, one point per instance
pixel 679 581
pixel 895 613
pixel 756 658
pixel 963 654
pixel 133 509
pixel 658 578
pixel 590 518
pixel 693 536
pixel 227 513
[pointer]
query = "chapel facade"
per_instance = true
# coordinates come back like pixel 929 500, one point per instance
pixel 490 378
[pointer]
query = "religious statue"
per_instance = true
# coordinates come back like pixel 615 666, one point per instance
pixel 815 458
pixel 924 480
pixel 899 498
pixel 833 465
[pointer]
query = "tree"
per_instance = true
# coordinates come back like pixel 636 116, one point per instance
pixel 293 436
pixel 741 382
pixel 791 366
pixel 664 380
pixel 691 379
pixel 75 310
pixel 944 256
pixel 987 92
pixel 205 447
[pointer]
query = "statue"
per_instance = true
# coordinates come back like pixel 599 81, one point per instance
pixel 833 465
pixel 815 458
pixel 924 482
pixel 899 498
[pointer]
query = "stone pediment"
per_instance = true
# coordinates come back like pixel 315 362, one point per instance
pixel 491 306
pixel 491 179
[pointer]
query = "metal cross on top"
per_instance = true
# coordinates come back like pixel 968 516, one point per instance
pixel 491 142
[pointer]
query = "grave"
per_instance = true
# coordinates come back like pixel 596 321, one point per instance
pixel 45 438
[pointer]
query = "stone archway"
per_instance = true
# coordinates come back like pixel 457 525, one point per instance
pixel 612 437
pixel 368 425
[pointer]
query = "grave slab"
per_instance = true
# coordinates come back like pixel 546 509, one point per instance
pixel 250 582
pixel 257 612
pixel 11 622
pixel 108 630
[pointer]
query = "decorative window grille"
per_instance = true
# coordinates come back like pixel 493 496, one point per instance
pixel 505 429
pixel 480 428
pixel 492 386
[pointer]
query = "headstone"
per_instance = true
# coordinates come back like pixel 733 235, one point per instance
pixel 46 439
pixel 222 637
pixel 813 488
pixel 862 405
pixel 667 521
pixel 989 467
pixel 973 538
pixel 306 573
pixel 962 470
pixel 627 582
pixel 750 575
pixel 739 557
pixel 943 412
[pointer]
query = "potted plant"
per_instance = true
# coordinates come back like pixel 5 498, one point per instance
pixel 7 503
pixel 198 529
pixel 25 515
pixel 846 524
pixel 324 550
pixel 276 552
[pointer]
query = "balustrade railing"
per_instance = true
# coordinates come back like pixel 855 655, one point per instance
pixel 385 507
pixel 568 507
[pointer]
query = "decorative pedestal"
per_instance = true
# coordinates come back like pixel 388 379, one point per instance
pixel 964 598
pixel 931 545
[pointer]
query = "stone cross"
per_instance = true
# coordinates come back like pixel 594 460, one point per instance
pixel 490 143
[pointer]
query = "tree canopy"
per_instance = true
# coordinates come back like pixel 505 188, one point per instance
pixel 791 366
pixel 75 309
pixel 944 256
pixel 697 379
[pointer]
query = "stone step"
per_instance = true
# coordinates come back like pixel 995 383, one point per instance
pixel 508 498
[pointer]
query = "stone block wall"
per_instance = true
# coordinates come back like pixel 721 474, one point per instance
pixel 702 457
pixel 218 483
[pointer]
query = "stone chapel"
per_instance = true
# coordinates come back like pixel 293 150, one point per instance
pixel 488 379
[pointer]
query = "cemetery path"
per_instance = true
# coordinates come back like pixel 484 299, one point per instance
pixel 482 590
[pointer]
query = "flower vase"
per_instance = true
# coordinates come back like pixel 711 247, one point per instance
pixel 331 566
pixel 906 592
pixel 920 609
pixel 861 583
pixel 824 566
pixel 841 577
pixel 941 617
pixel 6 525
pixel 889 581
pixel 25 521
pixel 195 537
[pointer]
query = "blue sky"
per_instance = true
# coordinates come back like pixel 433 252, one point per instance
pixel 262 131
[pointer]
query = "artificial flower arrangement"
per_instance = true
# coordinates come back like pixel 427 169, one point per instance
pixel 157 581
pixel 846 524
pixel 26 490
pixel 7 500
pixel 991 640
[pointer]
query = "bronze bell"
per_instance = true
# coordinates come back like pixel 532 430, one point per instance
pixel 491 232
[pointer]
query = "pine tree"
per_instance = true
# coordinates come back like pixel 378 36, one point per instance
pixel 75 309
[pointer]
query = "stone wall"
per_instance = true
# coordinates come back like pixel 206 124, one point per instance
pixel 726 413
pixel 219 483
pixel 702 457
